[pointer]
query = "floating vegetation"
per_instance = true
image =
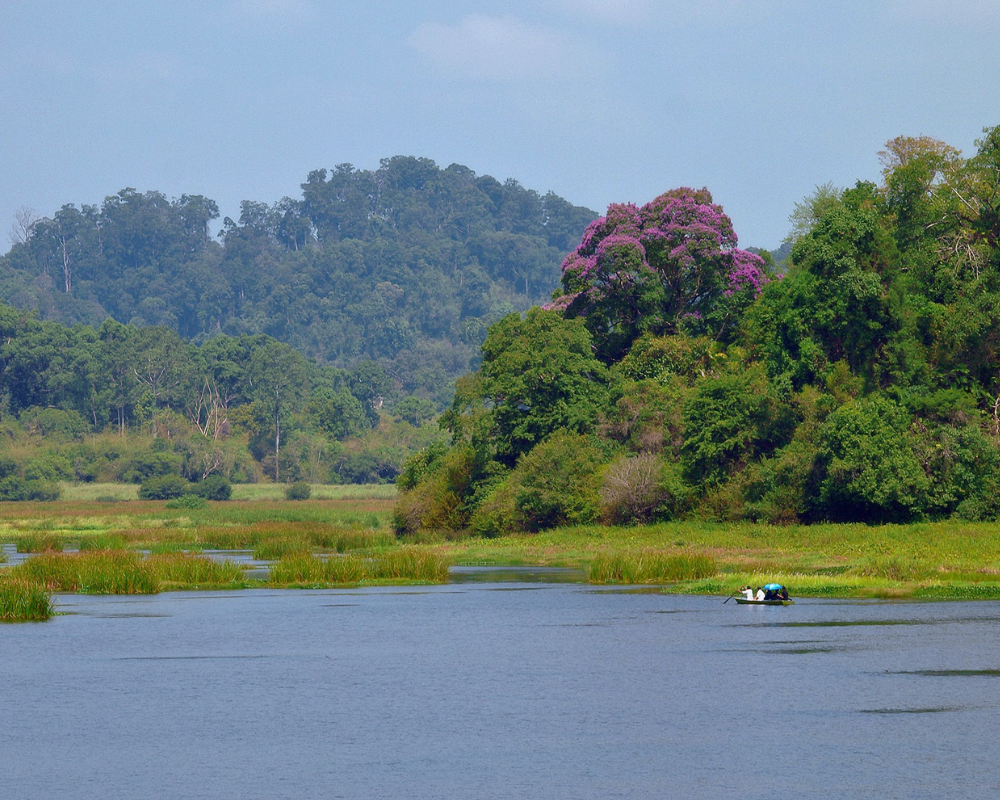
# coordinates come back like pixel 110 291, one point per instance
pixel 650 566
pixel 23 600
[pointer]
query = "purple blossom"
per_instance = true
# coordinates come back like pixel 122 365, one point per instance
pixel 747 271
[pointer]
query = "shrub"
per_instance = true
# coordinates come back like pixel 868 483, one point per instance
pixel 633 490
pixel 867 466
pixel 14 488
pixel 166 487
pixel 557 483
pixel 48 468
pixel 187 501
pixel 214 487
pixel 300 490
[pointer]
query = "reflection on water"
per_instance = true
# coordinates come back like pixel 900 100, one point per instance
pixel 470 692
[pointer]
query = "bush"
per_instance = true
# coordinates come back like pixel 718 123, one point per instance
pixel 187 501
pixel 868 469
pixel 300 490
pixel 166 487
pixel 214 487
pixel 557 483
pixel 640 489
pixel 14 489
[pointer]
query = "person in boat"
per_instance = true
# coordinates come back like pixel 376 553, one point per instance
pixel 760 593
pixel 747 591
pixel 784 593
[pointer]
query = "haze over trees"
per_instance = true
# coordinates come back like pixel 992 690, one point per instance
pixel 861 385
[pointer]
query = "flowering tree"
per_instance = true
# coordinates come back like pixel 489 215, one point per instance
pixel 669 265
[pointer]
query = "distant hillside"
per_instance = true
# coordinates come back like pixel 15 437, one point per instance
pixel 407 265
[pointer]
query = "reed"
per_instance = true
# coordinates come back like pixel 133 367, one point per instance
pixel 188 571
pixel 362 539
pixel 103 541
pixel 23 600
pixel 405 563
pixel 97 572
pixel 650 566
pixel 274 548
pixel 42 542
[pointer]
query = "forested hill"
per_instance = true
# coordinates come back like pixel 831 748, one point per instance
pixel 407 265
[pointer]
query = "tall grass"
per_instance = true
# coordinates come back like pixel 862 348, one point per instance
pixel 98 572
pixel 183 570
pixel 280 547
pixel 276 491
pixel 650 566
pixel 23 600
pixel 405 563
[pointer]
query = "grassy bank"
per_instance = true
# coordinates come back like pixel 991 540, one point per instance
pixel 308 540
pixel 942 560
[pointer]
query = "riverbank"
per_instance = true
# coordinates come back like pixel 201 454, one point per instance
pixel 942 560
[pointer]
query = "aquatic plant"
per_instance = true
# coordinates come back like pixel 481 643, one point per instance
pixel 650 566
pixel 279 547
pixel 194 571
pixel 404 563
pixel 98 572
pixel 23 600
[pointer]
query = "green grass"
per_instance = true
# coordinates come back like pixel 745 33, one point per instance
pixel 189 571
pixel 280 547
pixel 23 600
pixel 276 491
pixel 650 566
pixel 98 492
pixel 99 572
pixel 408 564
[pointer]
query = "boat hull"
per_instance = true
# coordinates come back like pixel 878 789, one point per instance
pixel 744 602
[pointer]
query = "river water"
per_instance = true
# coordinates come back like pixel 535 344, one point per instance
pixel 520 689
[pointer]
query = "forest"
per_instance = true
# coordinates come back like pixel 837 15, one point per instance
pixel 674 375
pixel 317 340
pixel 406 265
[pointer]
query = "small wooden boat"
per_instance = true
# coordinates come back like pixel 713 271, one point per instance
pixel 744 602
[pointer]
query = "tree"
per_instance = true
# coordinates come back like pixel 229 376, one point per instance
pixel 278 377
pixel 657 269
pixel 539 375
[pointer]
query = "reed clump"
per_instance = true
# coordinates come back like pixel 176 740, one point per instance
pixel 650 566
pixel 23 600
pixel 184 570
pixel 96 572
pixel 405 563
pixel 39 543
pixel 280 546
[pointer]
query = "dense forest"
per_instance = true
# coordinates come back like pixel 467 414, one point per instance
pixel 317 340
pixel 406 266
pixel 675 375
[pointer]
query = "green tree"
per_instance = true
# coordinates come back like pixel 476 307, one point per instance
pixel 278 376
pixel 539 375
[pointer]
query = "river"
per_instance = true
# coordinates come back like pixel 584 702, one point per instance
pixel 479 689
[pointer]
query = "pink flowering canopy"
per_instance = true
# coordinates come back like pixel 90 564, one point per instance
pixel 669 265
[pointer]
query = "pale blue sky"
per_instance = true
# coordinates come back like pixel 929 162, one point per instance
pixel 599 101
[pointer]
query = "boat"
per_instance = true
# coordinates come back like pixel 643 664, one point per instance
pixel 773 589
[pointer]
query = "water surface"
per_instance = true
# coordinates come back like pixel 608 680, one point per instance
pixel 480 690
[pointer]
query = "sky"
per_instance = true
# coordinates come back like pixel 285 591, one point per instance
pixel 599 101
